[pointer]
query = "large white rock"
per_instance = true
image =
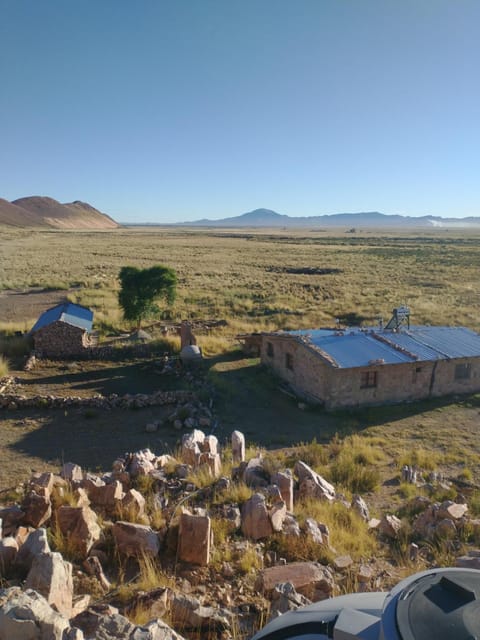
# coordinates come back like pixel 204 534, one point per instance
pixel 35 544
pixel 26 615
pixel 311 484
pixel 51 576
pixel 238 447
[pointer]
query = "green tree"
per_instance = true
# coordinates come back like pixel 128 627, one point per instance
pixel 141 288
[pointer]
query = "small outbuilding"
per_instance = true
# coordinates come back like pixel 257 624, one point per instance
pixel 63 330
pixel 355 367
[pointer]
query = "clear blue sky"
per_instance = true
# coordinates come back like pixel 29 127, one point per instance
pixel 177 110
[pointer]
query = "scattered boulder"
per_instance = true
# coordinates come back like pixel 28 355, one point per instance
pixel 141 463
pixel 26 615
pixel 256 523
pixel 390 526
pixel 277 515
pixel 192 447
pixel 342 563
pixel 313 531
pixel 284 481
pixel 452 510
pixel 285 598
pixel 254 474
pixel 135 539
pixel 238 447
pixel 35 544
pixel 311 484
pixel 188 613
pixel 51 576
pixel 8 554
pixel 71 471
pixel 37 509
pixel 311 579
pixel 11 517
pixel 80 526
pixel 360 506
pixel 134 503
pixel 194 539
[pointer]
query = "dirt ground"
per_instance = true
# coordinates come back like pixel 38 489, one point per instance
pixel 28 304
pixel 244 396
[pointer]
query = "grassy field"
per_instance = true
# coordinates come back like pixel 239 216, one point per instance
pixel 255 280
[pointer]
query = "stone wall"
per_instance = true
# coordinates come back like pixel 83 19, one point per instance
pixel 128 401
pixel 316 380
pixel 60 339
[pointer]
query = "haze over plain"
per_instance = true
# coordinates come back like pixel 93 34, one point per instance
pixel 167 111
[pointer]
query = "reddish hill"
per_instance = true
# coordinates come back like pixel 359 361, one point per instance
pixel 38 211
pixel 12 215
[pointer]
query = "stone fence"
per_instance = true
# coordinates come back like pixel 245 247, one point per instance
pixel 113 401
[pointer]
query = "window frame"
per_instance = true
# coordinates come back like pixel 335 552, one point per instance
pixel 289 361
pixel 368 379
pixel 463 371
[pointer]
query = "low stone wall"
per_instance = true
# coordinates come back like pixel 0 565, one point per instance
pixel 128 401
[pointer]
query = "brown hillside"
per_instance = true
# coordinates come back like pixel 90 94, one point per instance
pixel 15 216
pixel 46 211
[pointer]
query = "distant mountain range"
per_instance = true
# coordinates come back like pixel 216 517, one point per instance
pixel 269 218
pixel 38 211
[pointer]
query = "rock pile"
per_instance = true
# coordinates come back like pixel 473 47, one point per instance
pixel 213 555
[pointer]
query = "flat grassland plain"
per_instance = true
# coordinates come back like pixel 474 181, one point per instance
pixel 255 279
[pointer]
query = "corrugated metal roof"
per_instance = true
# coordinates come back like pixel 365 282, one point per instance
pixel 73 314
pixel 451 342
pixel 362 347
pixel 358 350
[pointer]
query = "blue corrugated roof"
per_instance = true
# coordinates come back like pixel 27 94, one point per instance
pixel 68 312
pixel 362 347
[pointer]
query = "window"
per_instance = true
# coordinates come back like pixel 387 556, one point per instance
pixel 289 361
pixel 270 349
pixel 368 379
pixel 463 371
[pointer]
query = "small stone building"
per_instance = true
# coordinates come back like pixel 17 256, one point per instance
pixel 357 367
pixel 62 331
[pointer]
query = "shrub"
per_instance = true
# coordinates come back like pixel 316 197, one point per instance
pixel 249 560
pixel 424 460
pixel 237 493
pixel 299 549
pixel 354 476
pixel 348 532
pixel 314 454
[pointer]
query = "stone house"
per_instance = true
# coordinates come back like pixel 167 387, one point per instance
pixel 62 331
pixel 372 366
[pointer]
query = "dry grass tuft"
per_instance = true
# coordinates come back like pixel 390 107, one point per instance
pixel 4 367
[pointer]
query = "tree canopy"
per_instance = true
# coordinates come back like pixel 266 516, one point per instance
pixel 141 288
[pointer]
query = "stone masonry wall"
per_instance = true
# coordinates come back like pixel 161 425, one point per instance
pixel 316 380
pixel 128 401
pixel 60 339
